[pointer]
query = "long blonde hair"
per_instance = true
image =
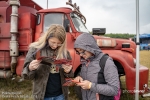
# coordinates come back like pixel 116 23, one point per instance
pixel 57 31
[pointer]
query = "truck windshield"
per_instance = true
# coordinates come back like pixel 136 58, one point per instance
pixel 53 18
pixel 79 25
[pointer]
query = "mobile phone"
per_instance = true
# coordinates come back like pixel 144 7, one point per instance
pixel 75 81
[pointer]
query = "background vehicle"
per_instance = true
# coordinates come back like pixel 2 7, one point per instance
pixel 23 22
pixel 144 41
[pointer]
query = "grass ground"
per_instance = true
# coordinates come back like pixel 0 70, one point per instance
pixel 14 90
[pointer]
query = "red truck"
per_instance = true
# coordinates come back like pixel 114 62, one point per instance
pixel 22 22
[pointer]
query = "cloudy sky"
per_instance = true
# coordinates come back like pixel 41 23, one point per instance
pixel 117 16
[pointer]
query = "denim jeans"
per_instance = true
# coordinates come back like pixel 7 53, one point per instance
pixel 60 97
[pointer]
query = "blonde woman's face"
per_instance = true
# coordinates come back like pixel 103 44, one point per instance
pixel 54 42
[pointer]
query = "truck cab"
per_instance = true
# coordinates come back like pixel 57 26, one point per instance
pixel 71 22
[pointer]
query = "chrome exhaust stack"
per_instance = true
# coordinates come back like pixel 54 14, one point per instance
pixel 14 52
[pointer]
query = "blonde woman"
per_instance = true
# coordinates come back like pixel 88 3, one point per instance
pixel 47 79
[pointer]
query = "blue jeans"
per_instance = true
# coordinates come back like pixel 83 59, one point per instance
pixel 60 97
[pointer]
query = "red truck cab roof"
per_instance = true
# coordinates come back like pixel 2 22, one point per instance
pixel 60 9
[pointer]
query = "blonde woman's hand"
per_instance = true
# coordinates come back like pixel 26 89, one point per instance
pixel 34 65
pixel 67 67
pixel 85 84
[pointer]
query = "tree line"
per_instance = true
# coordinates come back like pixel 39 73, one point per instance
pixel 120 35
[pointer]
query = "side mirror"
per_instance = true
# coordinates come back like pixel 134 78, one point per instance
pixel 98 31
pixel 66 25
